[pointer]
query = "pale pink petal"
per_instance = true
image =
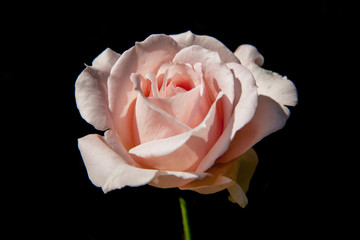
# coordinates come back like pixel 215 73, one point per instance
pixel 108 169
pixel 189 39
pixel 151 121
pixel 114 143
pixel 249 54
pixel 269 117
pixel 181 152
pixel 105 61
pixel 189 106
pixel 246 101
pixel 270 83
pixel 274 86
pixel 91 90
pixel 217 76
pixel 145 57
pixel 196 54
pixel 182 106
pixel 246 91
pixel 204 104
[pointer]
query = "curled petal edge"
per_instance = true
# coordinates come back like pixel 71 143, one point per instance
pixel 109 170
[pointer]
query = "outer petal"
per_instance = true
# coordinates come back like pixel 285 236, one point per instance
pixel 274 86
pixel 145 57
pixel 108 169
pixel 249 54
pixel 270 83
pixel 247 100
pixel 91 90
pixel 181 152
pixel 111 170
pixel 188 39
pixel 234 175
pixel 269 117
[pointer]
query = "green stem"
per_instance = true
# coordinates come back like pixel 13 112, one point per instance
pixel 185 219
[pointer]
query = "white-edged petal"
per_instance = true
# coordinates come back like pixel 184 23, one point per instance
pixel 275 86
pixel 189 39
pixel 91 90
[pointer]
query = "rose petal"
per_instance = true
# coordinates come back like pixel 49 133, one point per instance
pixel 274 86
pixel 269 117
pixel 188 39
pixel 217 76
pixel 248 97
pixel 91 90
pixel 114 143
pixel 243 112
pixel 151 121
pixel 108 169
pixel 145 57
pixel 196 54
pixel 181 152
pixel 249 54
pixel 270 83
pixel 182 106
pixel 179 75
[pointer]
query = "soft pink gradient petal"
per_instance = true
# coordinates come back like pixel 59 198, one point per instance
pixel 91 90
pixel 217 76
pixel 151 121
pixel 108 169
pixel 274 86
pixel 111 170
pixel 114 143
pixel 182 106
pixel 246 91
pixel 144 58
pixel 269 117
pixel 179 75
pixel 270 84
pixel 249 54
pixel 244 110
pixel 188 39
pixel 182 152
pixel 196 54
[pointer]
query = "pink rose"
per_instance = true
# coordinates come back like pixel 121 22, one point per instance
pixel 179 111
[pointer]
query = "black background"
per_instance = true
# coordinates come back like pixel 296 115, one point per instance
pixel 301 185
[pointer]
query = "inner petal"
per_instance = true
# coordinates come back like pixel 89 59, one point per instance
pixel 180 75
pixel 181 106
pixel 151 121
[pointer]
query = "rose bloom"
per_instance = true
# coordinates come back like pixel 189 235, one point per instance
pixel 179 111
